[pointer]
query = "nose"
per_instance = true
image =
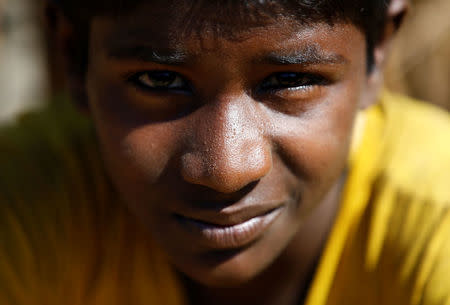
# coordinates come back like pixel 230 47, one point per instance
pixel 227 149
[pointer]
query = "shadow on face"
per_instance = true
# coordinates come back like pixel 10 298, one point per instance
pixel 225 146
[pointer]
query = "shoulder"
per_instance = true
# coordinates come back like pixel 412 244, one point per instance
pixel 47 153
pixel 50 167
pixel 410 208
pixel 63 233
pixel 44 189
pixel 38 146
pixel 416 153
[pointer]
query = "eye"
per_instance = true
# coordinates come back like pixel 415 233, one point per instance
pixel 292 80
pixel 160 81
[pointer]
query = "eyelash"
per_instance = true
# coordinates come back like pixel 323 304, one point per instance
pixel 299 81
pixel 181 85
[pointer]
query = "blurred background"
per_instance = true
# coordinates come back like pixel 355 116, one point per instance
pixel 30 73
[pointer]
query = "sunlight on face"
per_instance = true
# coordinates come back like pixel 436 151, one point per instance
pixel 225 149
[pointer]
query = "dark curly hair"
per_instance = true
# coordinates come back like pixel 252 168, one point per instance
pixel 368 15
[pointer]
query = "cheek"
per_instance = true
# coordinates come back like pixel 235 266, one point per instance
pixel 315 145
pixel 143 152
pixel 136 151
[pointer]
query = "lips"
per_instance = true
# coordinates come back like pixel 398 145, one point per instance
pixel 227 232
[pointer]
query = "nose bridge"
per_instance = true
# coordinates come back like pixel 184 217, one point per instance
pixel 234 128
pixel 229 150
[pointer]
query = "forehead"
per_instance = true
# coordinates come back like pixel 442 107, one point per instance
pixel 198 14
pixel 166 27
pixel 179 20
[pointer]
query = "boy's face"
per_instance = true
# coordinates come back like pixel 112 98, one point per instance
pixel 224 146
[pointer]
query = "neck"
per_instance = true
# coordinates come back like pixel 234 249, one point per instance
pixel 287 280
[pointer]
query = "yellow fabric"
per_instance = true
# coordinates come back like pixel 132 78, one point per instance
pixel 391 240
pixel 64 239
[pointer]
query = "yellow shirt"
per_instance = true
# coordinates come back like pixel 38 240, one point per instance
pixel 65 239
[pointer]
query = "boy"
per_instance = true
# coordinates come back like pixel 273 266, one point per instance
pixel 240 170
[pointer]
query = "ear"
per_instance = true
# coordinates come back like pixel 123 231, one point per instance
pixel 395 14
pixel 70 44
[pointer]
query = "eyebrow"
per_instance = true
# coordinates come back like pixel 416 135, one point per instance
pixel 149 54
pixel 308 55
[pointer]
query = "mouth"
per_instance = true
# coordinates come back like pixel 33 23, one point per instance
pixel 229 236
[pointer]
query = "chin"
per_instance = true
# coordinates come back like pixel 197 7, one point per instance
pixel 230 273
pixel 232 268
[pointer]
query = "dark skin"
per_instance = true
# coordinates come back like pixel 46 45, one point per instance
pixel 222 130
